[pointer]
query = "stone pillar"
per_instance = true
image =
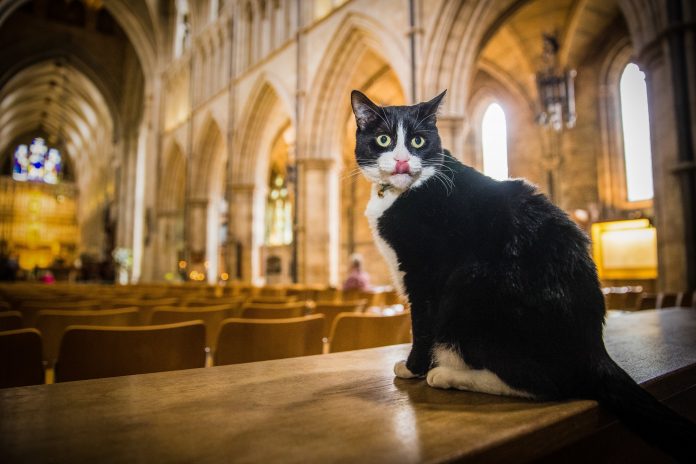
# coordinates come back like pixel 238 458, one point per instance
pixel 197 226
pixel 668 203
pixel 318 209
pixel 244 252
pixel 453 130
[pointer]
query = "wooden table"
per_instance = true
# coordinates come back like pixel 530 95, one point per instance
pixel 344 407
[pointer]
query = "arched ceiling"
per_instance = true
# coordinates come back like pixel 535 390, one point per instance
pixel 54 98
pixel 515 45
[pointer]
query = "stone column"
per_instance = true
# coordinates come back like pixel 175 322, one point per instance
pixel 453 130
pixel 197 226
pixel 318 209
pixel 668 202
pixel 243 259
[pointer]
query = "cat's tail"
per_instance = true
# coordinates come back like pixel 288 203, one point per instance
pixel 641 412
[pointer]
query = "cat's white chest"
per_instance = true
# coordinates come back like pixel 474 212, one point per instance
pixel 375 208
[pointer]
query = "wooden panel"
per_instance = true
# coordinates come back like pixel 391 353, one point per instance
pixel 345 407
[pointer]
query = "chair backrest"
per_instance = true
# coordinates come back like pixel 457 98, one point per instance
pixel 353 331
pixel 20 358
pixel 211 316
pixel 646 301
pixel 331 309
pixel 90 352
pixel 52 324
pixel 272 299
pixel 146 307
pixel 273 292
pixel 684 299
pixel 205 302
pixel 329 294
pixel 270 311
pixel 249 340
pixel 31 309
pixel 10 320
pixel 666 300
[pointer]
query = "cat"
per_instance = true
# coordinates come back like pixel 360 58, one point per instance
pixel 504 296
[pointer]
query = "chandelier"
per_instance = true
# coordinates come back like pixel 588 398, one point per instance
pixel 556 88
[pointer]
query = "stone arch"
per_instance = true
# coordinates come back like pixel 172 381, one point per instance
pixel 525 141
pixel 82 64
pixel 357 40
pixel 171 190
pixel 208 158
pixel 206 199
pixel 266 110
pixel 265 114
pixel 359 57
pixel 135 19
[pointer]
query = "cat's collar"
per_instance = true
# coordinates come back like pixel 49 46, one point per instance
pixel 383 188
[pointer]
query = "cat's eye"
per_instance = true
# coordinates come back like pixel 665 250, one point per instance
pixel 417 141
pixel 383 140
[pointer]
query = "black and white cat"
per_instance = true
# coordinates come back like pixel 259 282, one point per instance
pixel 504 296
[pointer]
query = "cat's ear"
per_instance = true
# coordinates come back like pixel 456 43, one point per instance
pixel 433 105
pixel 365 111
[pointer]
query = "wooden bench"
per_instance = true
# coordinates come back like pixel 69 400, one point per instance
pixel 345 407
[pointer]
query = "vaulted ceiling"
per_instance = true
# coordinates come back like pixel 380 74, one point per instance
pixel 513 50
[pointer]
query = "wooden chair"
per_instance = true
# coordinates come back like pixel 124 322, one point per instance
pixel 212 316
pixel 10 320
pixel 30 309
pixel 646 301
pixel 352 331
pixel 666 300
pixel 52 324
pixel 277 311
pixel 89 352
pixel 331 309
pixel 20 358
pixel 249 340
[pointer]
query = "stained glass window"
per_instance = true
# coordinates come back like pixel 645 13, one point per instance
pixel 278 213
pixel 37 163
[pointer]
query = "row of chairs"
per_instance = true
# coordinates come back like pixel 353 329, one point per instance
pixel 101 351
pixel 52 323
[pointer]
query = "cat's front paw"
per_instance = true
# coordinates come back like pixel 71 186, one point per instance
pixel 439 377
pixel 401 371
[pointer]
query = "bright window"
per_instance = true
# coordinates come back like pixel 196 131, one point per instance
pixel 37 163
pixel 494 141
pixel 636 134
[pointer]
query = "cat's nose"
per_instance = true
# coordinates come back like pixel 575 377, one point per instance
pixel 402 167
pixel 401 156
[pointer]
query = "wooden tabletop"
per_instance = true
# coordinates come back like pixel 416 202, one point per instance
pixel 343 407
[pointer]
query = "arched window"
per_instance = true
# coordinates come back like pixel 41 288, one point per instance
pixel 494 142
pixel 278 212
pixel 636 134
pixel 37 163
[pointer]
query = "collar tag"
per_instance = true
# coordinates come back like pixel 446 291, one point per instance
pixel 383 188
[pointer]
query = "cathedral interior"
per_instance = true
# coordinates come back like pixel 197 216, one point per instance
pixel 187 273
pixel 213 140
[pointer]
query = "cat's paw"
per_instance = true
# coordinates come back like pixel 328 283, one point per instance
pixel 401 371
pixel 439 377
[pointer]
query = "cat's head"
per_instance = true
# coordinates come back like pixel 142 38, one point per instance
pixel 398 146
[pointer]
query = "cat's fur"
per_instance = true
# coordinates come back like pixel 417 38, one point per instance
pixel 504 296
